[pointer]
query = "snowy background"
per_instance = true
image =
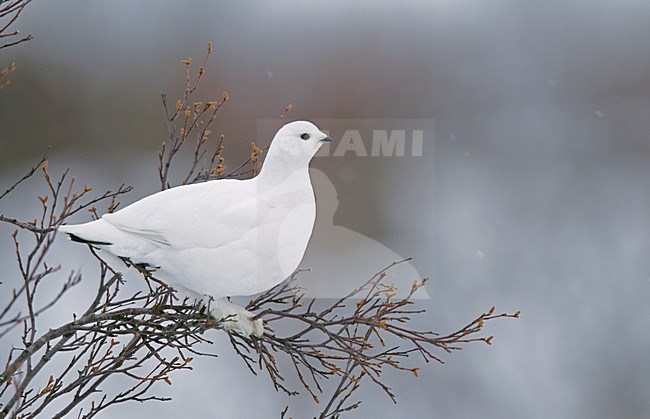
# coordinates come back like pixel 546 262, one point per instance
pixel 534 193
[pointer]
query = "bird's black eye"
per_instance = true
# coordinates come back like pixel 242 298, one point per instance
pixel 305 136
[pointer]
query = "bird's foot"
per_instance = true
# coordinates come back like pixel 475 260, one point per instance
pixel 236 317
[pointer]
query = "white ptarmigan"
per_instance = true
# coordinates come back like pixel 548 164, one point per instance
pixel 224 237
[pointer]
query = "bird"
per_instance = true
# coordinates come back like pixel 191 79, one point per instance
pixel 224 237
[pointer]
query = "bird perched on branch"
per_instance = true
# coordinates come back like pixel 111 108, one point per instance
pixel 224 237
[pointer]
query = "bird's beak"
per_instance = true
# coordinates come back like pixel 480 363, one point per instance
pixel 327 139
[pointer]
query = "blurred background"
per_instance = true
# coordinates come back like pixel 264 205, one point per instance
pixel 532 194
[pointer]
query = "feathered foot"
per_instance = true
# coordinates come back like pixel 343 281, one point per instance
pixel 236 317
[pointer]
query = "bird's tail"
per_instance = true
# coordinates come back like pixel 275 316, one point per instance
pixel 89 233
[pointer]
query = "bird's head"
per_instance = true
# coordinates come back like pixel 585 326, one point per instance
pixel 298 139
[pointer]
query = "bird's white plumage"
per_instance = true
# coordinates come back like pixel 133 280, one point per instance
pixel 224 237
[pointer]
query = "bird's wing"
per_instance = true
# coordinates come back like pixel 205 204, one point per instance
pixel 206 215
